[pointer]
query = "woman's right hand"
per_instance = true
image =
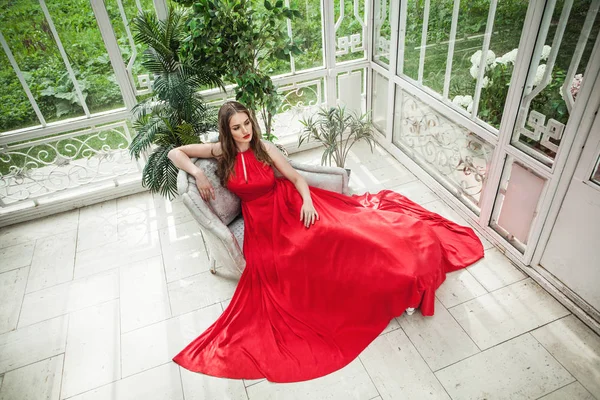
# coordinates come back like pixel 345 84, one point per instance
pixel 204 187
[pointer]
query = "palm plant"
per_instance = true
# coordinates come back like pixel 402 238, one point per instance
pixel 337 131
pixel 176 114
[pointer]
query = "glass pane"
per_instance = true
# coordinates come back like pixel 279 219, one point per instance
pixel 500 60
pixel 81 38
pixel 351 29
pixel 383 34
pixel 307 31
pixel 517 203
pixel 412 40
pixel 380 102
pixel 29 38
pixel 300 100
pixel 456 157
pixel 352 90
pixel 131 52
pixel 546 103
pixel 470 29
pixel 436 52
pixel 15 109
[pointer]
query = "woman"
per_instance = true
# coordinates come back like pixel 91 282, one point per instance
pixel 325 273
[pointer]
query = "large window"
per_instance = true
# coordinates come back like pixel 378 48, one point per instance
pixel 443 50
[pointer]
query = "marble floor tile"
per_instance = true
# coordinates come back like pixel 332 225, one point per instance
pixel 53 261
pixel 183 251
pixel 92 355
pixel 33 343
pixel 29 231
pixel 144 295
pixel 201 387
pixel 225 304
pixel 89 213
pixel 392 326
pixel 576 347
pixel 495 271
pixel 350 383
pixel 250 382
pixel 160 383
pixel 16 256
pixel 97 225
pixel 508 312
pixel 392 176
pixel 68 297
pixel 459 286
pixel 157 344
pixel 127 250
pixel 12 290
pixel 201 290
pixel 95 234
pixel 573 391
pixel 398 370
pixel 37 381
pixel 518 369
pixel 135 203
pixel 439 339
pixel 165 214
pixel 416 191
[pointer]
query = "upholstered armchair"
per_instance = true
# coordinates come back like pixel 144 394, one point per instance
pixel 220 220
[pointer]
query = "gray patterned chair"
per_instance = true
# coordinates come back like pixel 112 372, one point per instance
pixel 220 220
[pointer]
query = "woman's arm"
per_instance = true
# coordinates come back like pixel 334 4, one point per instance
pixel 308 214
pixel 180 156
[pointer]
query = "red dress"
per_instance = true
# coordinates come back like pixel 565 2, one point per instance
pixel 310 300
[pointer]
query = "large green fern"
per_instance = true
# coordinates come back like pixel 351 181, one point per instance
pixel 176 114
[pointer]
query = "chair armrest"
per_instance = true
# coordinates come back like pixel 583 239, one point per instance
pixel 334 179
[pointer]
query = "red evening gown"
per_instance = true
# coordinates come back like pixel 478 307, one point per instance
pixel 310 300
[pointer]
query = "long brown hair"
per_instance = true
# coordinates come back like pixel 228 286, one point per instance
pixel 226 161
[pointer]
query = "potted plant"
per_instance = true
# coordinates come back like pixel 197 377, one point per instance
pixel 238 38
pixel 337 130
pixel 176 114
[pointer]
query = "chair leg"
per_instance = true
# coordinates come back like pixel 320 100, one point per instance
pixel 213 266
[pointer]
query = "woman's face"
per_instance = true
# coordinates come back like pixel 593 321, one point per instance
pixel 241 128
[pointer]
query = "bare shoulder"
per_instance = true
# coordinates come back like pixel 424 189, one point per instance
pixel 271 149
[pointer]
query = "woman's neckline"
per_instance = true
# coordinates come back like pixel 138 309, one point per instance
pixel 245 151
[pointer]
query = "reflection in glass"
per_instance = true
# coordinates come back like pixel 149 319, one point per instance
pixel 555 77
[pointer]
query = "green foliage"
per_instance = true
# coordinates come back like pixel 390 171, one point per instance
pixel 31 42
pixel 329 129
pixel 549 101
pixel 237 38
pixel 176 114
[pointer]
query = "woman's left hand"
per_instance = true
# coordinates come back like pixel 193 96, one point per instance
pixel 308 214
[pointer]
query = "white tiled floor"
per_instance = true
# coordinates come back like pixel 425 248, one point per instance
pixel 95 302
